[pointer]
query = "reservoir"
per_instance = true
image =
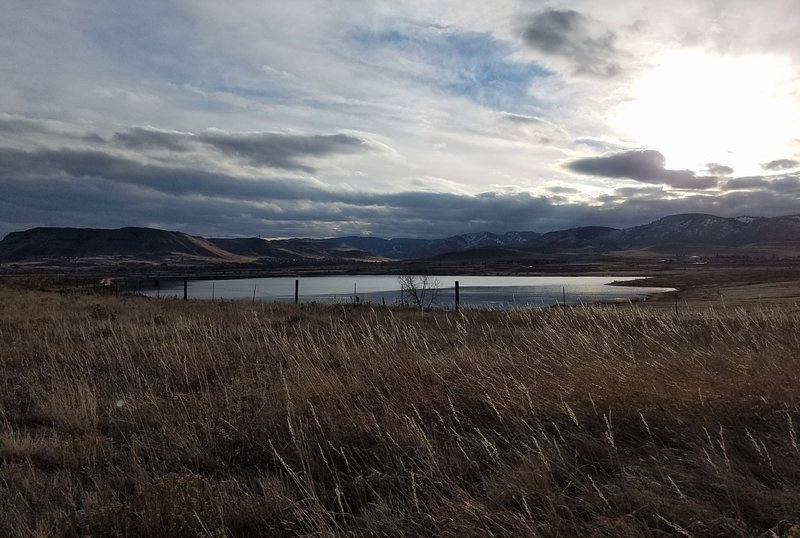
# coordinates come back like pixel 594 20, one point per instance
pixel 500 292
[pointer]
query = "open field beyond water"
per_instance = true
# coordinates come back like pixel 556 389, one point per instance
pixel 145 417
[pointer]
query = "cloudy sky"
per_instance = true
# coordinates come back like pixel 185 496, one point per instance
pixel 318 118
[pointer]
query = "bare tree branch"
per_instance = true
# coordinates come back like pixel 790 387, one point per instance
pixel 419 290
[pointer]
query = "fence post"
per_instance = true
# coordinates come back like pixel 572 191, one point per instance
pixel 185 289
pixel 254 292
pixel 564 295
pixel 116 289
pixel 457 295
pixel 296 291
pixel 676 303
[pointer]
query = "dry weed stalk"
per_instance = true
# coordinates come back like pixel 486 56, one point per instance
pixel 139 417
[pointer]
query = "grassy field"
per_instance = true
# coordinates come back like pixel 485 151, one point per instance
pixel 145 417
pixel 719 287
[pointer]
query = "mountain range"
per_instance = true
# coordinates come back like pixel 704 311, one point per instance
pixel 671 234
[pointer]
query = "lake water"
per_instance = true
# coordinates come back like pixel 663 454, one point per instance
pixel 474 291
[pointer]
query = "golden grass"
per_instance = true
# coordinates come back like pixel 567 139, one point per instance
pixel 143 417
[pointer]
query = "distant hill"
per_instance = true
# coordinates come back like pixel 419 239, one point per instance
pixel 140 243
pixel 295 249
pixel 159 246
pixel 585 237
pixel 696 229
pixel 405 248
pixel 672 234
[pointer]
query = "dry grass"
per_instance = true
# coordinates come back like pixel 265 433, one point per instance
pixel 147 418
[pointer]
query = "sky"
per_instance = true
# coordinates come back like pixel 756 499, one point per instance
pixel 321 118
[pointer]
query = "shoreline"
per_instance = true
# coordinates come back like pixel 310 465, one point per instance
pixel 696 286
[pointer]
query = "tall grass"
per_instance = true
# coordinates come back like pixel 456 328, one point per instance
pixel 147 418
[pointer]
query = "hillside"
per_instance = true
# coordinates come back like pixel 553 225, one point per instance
pixel 685 234
pixel 139 243
pixel 682 234
pixel 158 246
pixel 294 249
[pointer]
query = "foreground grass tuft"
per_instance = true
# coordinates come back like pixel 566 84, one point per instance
pixel 147 418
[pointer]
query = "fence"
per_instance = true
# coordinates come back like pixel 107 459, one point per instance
pixel 454 296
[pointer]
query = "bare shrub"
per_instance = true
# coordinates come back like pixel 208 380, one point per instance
pixel 419 290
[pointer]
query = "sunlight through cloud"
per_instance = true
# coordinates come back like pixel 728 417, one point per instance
pixel 697 108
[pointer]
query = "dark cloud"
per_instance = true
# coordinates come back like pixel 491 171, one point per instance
pixel 571 35
pixel 745 183
pixel 447 207
pixel 117 183
pixel 717 169
pixel 646 166
pixel 70 187
pixel 99 203
pixel 786 184
pixel 283 150
pixel 20 125
pixel 62 192
pixel 139 139
pixel 627 194
pixel 48 171
pixel 172 180
pixel 273 150
pixel 781 164
pixel 15 124
pixel 90 189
